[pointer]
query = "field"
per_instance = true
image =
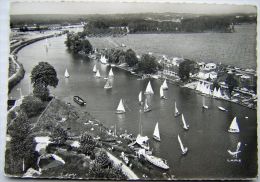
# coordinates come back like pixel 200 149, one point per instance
pixel 228 48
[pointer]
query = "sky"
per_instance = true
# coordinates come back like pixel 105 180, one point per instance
pixel 65 7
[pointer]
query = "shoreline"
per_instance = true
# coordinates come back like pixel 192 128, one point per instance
pixel 18 75
pixel 177 83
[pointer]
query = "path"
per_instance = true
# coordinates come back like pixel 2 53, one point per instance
pixel 126 170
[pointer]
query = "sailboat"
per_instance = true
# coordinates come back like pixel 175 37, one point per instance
pixel 110 74
pixel 140 97
pixel 185 126
pixel 66 74
pixel 146 107
pixel 176 110
pixel 183 149
pixel 120 108
pixel 108 85
pixel 203 104
pixel 162 93
pixel 164 85
pixel 156 134
pixel 95 68
pixel 149 89
pixel 98 74
pixel 234 126
pixel 140 139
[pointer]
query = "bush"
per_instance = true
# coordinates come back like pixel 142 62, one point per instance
pixel 87 144
pixel 32 106
pixel 102 159
pixel 59 135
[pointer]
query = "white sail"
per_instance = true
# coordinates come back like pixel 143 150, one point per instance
pixel 215 92
pixel 108 85
pixel 111 72
pixel 164 85
pixel 219 93
pixel 146 105
pixel 120 107
pixel 161 92
pixel 156 133
pixel 140 96
pixel 183 149
pixel 149 89
pixel 66 74
pixel 95 68
pixel 176 110
pixel 185 126
pixel 97 74
pixel 234 126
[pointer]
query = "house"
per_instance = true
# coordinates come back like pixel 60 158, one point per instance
pixel 41 143
pixel 210 66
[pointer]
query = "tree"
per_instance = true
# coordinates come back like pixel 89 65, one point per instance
pixel 231 83
pixel 130 58
pixel 148 64
pixel 59 136
pixel 32 106
pixel 22 145
pixel 185 68
pixel 102 159
pixel 41 92
pixel 87 144
pixel 86 46
pixel 77 43
pixel 42 76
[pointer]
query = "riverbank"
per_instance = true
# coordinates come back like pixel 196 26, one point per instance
pixel 15 67
pixel 76 122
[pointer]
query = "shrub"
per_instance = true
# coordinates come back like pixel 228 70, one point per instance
pixel 59 135
pixel 87 144
pixel 32 106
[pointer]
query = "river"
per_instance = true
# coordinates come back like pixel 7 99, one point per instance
pixel 207 138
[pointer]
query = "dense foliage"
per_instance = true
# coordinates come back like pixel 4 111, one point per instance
pixel 32 106
pixel 77 43
pixel 148 64
pixel 87 144
pixel 185 68
pixel 22 145
pixel 59 135
pixel 130 58
pixel 231 82
pixel 42 76
pixel 103 168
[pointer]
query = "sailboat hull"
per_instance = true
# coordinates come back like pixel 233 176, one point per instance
pixel 177 114
pixel 233 131
pixel 156 138
pixel 184 152
pixel 163 97
pixel 107 87
pixel 147 110
pixel 120 112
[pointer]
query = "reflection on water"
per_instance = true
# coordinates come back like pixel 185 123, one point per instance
pixel 207 138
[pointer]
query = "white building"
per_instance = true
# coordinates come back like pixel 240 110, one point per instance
pixel 210 66
pixel 212 75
